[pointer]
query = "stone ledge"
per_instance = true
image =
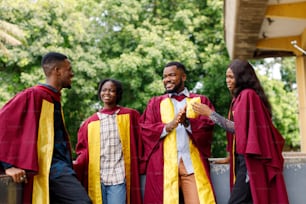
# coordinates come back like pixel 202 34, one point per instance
pixel 294 173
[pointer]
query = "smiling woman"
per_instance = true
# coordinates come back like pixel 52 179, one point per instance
pixel 254 144
pixel 280 30
pixel 109 142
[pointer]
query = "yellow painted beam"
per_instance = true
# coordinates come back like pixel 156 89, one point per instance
pixel 303 40
pixel 301 87
pixel 292 10
pixel 280 44
pixel 301 84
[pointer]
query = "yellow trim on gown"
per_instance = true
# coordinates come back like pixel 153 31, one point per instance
pixel 94 183
pixel 171 177
pixel 45 143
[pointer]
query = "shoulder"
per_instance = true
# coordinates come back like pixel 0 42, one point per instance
pixel 35 93
pixel 193 95
pixel 248 93
pixel 26 101
pixel 26 95
pixel 124 110
pixel 32 91
pixel 158 99
pixel 203 98
pixel 248 97
pixel 93 117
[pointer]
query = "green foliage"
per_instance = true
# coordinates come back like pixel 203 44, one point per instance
pixel 10 35
pixel 283 97
pixel 284 110
pixel 128 40
pixel 288 73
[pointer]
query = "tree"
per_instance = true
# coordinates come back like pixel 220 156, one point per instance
pixel 129 40
pixel 281 94
pixel 10 35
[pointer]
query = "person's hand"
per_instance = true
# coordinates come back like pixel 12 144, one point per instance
pixel 182 118
pixel 201 109
pixel 18 175
pixel 171 125
pixel 225 160
pixel 179 118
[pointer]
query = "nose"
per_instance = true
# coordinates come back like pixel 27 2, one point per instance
pixel 227 80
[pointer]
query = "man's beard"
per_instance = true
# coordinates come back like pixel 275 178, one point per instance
pixel 176 88
pixel 68 86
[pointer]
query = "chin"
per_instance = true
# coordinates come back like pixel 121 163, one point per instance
pixel 68 86
pixel 170 91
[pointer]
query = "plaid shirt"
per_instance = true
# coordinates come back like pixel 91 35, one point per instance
pixel 112 170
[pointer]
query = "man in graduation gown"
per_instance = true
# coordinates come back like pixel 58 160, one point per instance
pixel 176 146
pixel 34 144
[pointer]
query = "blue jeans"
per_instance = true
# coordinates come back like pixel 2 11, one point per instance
pixel 113 194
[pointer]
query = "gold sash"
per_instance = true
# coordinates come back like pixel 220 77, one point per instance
pixel 171 179
pixel 94 184
pixel 45 143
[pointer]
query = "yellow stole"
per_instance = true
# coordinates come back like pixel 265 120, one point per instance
pixel 45 143
pixel 171 179
pixel 94 142
pixel 230 117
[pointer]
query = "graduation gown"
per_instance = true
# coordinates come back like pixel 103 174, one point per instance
pixel 27 138
pixel 87 164
pixel 161 154
pixel 261 144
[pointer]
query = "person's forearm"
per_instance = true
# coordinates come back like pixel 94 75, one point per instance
pixel 226 124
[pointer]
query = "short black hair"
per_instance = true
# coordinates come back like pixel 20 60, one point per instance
pixel 51 57
pixel 178 65
pixel 118 85
pixel 50 60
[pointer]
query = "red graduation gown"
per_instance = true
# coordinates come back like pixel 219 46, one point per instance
pixel 20 127
pixel 152 127
pixel 131 147
pixel 259 141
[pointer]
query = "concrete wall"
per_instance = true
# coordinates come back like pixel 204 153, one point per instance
pixel 295 178
pixel 294 173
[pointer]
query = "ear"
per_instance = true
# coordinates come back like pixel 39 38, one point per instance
pixel 56 70
pixel 184 77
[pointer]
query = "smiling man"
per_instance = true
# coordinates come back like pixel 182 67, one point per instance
pixel 34 142
pixel 176 146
